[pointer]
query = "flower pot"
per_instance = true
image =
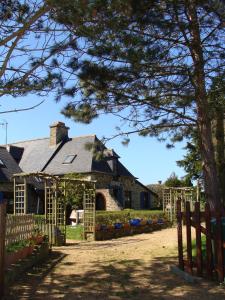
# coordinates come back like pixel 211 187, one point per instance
pixel 30 250
pixel 110 227
pixel 39 239
pixel 98 227
pixel 118 225
pixel 135 222
pixel 160 221
pixel 143 222
pixel 126 226
pixel 103 227
pixel 13 257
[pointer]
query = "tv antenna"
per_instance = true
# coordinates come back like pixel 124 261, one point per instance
pixel 5 123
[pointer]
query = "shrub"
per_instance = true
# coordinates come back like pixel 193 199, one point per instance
pixel 124 216
pixel 14 247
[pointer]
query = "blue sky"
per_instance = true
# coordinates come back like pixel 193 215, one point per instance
pixel 146 158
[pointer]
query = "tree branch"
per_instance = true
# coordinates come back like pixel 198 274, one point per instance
pixel 22 109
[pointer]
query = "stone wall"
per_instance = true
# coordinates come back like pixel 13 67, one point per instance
pixel 111 202
pixel 106 184
pixel 6 187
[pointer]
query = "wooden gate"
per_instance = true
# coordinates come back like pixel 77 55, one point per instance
pixel 203 253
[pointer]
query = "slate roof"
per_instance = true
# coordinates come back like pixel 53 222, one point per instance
pixel 82 162
pixel 39 156
pixel 36 154
pixel 10 168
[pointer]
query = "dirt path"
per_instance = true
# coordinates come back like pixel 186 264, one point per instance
pixel 127 268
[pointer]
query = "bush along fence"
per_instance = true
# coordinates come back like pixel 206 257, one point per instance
pixel 203 254
pixel 125 225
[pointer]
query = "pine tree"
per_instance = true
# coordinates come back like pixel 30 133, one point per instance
pixel 34 49
pixel 151 63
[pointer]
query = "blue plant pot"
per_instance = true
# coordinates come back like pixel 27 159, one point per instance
pixel 160 221
pixel 103 227
pixel 118 225
pixel 135 222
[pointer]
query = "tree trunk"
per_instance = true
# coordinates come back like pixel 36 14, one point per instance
pixel 212 189
pixel 220 148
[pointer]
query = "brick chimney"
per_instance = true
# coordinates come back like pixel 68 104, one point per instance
pixel 58 133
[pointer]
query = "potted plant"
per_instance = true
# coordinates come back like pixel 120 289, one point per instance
pixel 17 251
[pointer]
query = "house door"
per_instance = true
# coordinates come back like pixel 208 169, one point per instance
pixel 100 202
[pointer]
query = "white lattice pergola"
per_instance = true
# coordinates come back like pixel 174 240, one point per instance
pixel 55 189
pixel 171 195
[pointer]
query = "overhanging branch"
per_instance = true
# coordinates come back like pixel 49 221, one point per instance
pixel 21 109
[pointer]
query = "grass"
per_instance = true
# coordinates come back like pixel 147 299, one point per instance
pixel 194 252
pixel 74 232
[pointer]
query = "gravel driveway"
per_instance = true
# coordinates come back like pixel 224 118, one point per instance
pixel 127 268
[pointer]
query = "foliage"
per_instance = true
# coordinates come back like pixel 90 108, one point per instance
pixel 123 216
pixel 194 249
pixel 192 162
pixel 34 49
pixel 18 246
pixel 74 232
pixel 74 191
pixel 174 181
pixel 151 63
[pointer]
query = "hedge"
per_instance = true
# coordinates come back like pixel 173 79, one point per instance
pixel 124 216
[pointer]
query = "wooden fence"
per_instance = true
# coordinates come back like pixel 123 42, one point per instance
pixel 2 245
pixel 16 228
pixel 23 227
pixel 19 228
pixel 207 242
pixel 47 229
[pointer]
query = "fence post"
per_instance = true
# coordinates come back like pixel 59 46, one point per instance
pixel 209 266
pixel 188 232
pixel 2 244
pixel 179 235
pixel 219 248
pixel 198 238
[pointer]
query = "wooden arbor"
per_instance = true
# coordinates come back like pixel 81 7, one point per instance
pixel 171 195
pixel 55 190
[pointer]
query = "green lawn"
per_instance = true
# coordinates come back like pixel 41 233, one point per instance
pixel 194 253
pixel 74 232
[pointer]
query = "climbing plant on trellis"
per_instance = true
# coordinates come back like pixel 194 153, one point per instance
pixel 55 188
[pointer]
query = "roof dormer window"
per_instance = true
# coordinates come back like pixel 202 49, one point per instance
pixel 2 165
pixel 69 159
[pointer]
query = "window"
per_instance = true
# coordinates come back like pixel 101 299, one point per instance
pixel 145 200
pixel 128 199
pixel 69 159
pixel 2 163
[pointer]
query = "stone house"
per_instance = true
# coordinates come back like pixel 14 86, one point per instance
pixel 157 188
pixel 116 187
